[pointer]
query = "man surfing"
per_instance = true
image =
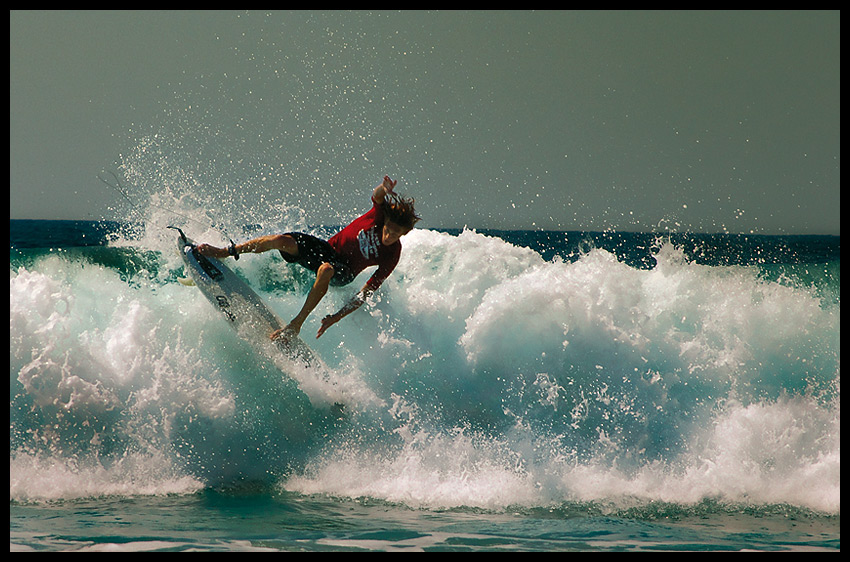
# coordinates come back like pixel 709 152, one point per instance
pixel 372 239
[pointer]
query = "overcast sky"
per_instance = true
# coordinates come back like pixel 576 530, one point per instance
pixel 697 121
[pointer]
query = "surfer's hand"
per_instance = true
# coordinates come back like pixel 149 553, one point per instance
pixel 384 188
pixel 327 322
pixel 389 184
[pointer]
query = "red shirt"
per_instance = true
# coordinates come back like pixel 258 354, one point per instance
pixel 360 242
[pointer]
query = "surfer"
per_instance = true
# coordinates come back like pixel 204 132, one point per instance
pixel 371 239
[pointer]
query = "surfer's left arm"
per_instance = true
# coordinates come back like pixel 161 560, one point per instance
pixel 384 188
pixel 352 305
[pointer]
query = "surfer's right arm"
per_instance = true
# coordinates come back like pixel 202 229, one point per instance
pixel 356 302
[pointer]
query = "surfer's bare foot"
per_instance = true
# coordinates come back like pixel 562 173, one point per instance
pixel 285 334
pixel 212 251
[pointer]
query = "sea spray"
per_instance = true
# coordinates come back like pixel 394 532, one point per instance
pixel 549 373
pixel 481 375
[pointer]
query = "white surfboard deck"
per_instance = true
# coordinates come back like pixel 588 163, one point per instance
pixel 238 303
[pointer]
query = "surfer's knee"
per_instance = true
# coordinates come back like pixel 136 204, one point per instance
pixel 325 273
pixel 285 243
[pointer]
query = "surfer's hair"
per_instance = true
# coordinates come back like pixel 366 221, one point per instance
pixel 400 211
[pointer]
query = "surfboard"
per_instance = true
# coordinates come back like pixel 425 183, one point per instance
pixel 238 303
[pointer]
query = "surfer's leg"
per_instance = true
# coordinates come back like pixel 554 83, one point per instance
pixel 320 288
pixel 283 242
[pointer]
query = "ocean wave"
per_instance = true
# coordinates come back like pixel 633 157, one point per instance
pixel 483 374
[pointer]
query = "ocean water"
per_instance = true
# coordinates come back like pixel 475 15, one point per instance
pixel 504 391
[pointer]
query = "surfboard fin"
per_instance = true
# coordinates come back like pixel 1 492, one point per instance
pixel 183 236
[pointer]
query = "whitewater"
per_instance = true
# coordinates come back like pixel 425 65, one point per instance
pixel 486 376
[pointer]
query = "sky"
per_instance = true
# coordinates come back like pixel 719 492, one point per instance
pixel 555 120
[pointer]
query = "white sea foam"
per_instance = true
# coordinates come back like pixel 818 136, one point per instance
pixel 481 375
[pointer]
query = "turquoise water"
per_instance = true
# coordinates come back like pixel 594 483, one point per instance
pixel 217 521
pixel 504 391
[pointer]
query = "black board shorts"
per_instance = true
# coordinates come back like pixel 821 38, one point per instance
pixel 313 252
